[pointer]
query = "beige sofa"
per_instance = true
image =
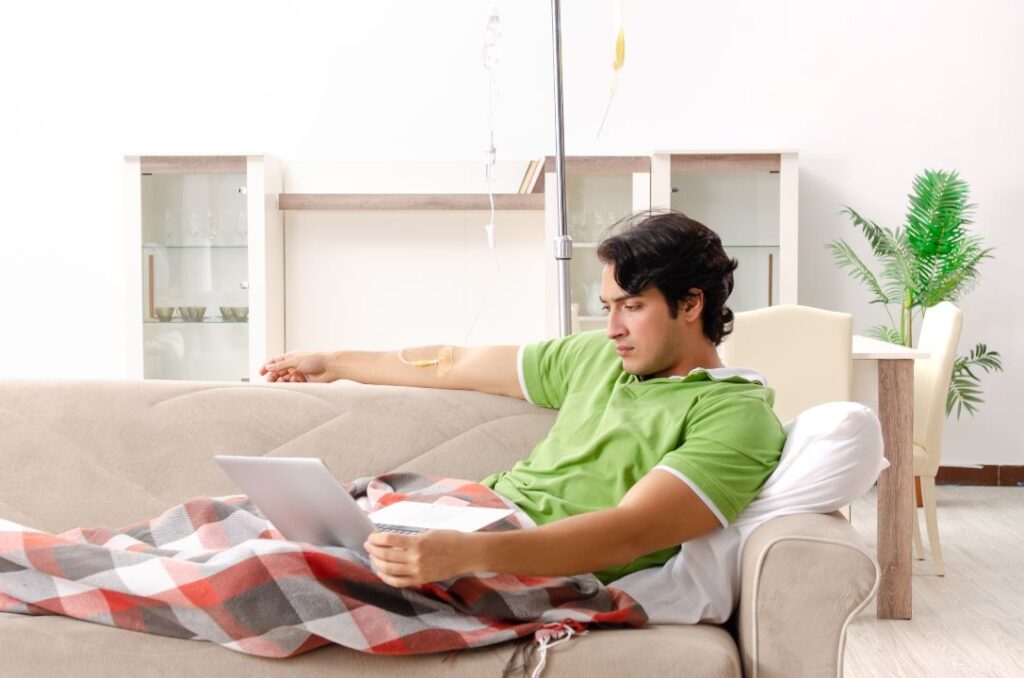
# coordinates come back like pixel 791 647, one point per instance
pixel 87 453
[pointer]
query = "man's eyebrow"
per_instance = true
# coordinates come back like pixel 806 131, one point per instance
pixel 622 298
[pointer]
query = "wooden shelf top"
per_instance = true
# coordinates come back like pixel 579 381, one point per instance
pixel 183 164
pixel 410 201
pixel 602 164
pixel 726 162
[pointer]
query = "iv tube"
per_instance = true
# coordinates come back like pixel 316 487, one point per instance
pixel 491 59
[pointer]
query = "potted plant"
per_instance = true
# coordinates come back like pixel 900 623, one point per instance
pixel 931 258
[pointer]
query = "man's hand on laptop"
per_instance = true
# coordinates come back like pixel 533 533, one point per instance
pixel 298 366
pixel 403 560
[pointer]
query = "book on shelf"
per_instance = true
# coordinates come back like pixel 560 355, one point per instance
pixel 533 181
pixel 525 183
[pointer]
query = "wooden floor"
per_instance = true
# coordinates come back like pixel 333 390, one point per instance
pixel 968 623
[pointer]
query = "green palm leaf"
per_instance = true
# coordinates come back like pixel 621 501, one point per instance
pixel 938 211
pixel 847 258
pixel 881 241
pixel 886 333
pixel 958 281
pixel 964 385
pixel 901 285
pixel 963 394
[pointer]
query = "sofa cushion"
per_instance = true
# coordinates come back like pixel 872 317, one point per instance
pixel 58 646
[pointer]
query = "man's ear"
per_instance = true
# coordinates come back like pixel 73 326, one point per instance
pixel 693 306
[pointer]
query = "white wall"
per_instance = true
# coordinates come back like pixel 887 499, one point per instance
pixel 870 93
pixel 386 279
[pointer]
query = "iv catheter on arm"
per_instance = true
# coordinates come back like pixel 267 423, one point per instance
pixel 488 369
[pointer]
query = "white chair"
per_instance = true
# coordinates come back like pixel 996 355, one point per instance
pixel 940 334
pixel 803 352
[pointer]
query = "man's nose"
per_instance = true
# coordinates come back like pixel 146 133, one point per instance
pixel 614 328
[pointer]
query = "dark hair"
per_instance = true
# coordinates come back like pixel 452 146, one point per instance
pixel 674 253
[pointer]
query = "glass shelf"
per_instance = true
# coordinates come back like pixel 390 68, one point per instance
pixel 209 321
pixel 195 247
pixel 594 245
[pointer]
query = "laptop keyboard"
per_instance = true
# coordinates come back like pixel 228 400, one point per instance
pixel 399 529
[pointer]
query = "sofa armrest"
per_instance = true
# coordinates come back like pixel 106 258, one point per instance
pixel 803 578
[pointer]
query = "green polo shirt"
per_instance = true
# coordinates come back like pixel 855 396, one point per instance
pixel 713 429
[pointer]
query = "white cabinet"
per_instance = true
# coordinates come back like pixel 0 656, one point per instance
pixel 599 191
pixel 204 260
pixel 202 229
pixel 751 201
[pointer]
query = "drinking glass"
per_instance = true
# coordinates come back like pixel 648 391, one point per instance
pixel 192 225
pixel 576 224
pixel 241 226
pixel 212 227
pixel 169 226
pixel 594 227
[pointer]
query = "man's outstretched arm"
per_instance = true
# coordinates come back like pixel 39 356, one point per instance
pixel 489 369
pixel 658 512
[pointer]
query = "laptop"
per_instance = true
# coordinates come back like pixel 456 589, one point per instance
pixel 306 503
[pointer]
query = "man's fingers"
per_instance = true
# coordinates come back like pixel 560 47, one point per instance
pixel 388 554
pixel 286 374
pixel 399 575
pixel 276 368
pixel 390 539
pixel 277 376
pixel 391 567
pixel 278 363
pixel 398 582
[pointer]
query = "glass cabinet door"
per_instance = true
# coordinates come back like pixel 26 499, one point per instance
pixel 195 292
pixel 743 208
pixel 595 202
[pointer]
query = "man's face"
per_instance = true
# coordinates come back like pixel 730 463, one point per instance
pixel 649 341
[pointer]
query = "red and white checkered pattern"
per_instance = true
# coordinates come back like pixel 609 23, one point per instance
pixel 214 569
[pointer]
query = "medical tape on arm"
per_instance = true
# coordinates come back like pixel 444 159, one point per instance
pixel 443 361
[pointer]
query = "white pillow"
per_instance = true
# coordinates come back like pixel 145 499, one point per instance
pixel 832 455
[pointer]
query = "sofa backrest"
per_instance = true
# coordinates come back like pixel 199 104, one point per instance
pixel 86 453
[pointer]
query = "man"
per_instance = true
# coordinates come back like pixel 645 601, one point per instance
pixel 655 442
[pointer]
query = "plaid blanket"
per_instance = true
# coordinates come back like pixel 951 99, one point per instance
pixel 215 569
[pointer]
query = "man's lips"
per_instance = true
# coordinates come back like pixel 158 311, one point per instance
pixel 623 350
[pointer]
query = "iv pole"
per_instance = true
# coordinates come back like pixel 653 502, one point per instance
pixel 563 241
